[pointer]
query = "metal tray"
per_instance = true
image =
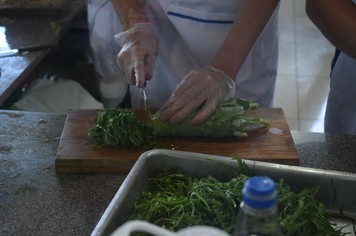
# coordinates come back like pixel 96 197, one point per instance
pixel 298 178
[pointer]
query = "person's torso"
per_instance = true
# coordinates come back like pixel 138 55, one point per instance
pixel 191 33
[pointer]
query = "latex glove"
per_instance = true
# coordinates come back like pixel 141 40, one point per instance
pixel 210 85
pixel 138 54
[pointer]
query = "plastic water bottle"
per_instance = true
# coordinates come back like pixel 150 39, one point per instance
pixel 258 214
pixel 113 89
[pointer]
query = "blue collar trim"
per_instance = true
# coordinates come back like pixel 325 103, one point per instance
pixel 199 20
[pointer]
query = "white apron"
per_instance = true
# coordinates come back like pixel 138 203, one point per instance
pixel 340 115
pixel 190 33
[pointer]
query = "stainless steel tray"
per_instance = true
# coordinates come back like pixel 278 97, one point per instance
pixel 298 178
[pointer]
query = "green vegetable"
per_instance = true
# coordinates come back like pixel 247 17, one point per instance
pixel 301 214
pixel 121 128
pixel 174 201
pixel 115 127
pixel 244 103
pixel 226 121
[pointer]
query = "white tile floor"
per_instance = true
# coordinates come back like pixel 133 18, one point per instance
pixel 303 71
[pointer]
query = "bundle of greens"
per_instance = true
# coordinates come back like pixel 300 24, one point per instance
pixel 226 121
pixel 175 200
pixel 121 128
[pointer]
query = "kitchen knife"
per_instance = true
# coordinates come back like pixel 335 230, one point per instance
pixel 22 51
pixel 147 109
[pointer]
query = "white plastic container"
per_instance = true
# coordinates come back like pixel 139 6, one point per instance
pixel 142 226
pixel 113 89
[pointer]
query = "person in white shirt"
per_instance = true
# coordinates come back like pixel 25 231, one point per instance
pixel 188 53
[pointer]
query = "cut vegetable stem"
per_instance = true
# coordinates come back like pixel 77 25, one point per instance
pixel 121 128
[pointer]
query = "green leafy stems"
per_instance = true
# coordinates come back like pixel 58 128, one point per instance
pixel 174 200
pixel 115 127
pixel 121 127
pixel 226 121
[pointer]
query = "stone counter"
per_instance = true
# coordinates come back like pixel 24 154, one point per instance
pixel 34 200
pixel 30 34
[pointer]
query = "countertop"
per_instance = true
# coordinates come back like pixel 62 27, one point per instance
pixel 34 200
pixel 22 32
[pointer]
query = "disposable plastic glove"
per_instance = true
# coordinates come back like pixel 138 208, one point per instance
pixel 138 54
pixel 210 85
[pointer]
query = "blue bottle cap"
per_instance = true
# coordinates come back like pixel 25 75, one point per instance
pixel 259 192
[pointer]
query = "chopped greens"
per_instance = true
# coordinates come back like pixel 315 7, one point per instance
pixel 121 128
pixel 175 200
pixel 114 127
pixel 301 214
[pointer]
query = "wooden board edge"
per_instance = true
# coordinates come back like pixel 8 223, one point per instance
pixel 95 166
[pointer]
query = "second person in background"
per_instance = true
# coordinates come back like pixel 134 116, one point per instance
pixel 336 19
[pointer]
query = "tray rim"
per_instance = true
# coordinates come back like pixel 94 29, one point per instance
pixel 129 180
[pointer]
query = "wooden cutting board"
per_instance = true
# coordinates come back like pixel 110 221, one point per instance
pixel 77 153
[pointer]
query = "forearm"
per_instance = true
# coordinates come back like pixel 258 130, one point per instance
pixel 336 19
pixel 129 13
pixel 250 20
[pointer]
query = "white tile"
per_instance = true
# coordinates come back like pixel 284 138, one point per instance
pixel 303 69
pixel 313 51
pixel 316 126
pixel 286 8
pixel 286 59
pixel 286 21
pixel 313 60
pixel 312 97
pixel 293 123
pixel 286 29
pixel 306 31
pixel 285 95
pixel 299 8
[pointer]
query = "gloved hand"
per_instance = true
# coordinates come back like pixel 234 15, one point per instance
pixel 138 54
pixel 210 85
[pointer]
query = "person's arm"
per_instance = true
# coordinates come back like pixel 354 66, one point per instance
pixel 215 83
pixel 249 22
pixel 138 40
pixel 336 19
pixel 129 13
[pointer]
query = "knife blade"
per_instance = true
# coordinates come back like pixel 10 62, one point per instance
pixel 22 51
pixel 147 109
